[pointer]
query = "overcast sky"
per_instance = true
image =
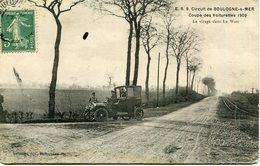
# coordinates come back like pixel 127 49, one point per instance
pixel 229 51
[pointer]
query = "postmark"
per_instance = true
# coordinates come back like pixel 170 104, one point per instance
pixel 18 31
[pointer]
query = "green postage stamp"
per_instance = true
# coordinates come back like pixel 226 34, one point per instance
pixel 18 31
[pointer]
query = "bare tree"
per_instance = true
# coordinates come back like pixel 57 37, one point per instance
pixel 56 9
pixel 181 42
pixel 198 83
pixel 133 11
pixel 168 18
pixel 109 77
pixel 125 12
pixel 150 38
pixel 195 65
pixel 141 8
pixel 189 61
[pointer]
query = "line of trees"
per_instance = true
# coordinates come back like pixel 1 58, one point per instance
pixel 180 43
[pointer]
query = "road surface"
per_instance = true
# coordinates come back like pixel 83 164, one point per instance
pixel 189 135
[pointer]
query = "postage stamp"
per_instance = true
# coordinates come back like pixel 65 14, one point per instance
pixel 18 31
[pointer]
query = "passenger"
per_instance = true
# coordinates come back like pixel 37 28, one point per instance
pixel 123 92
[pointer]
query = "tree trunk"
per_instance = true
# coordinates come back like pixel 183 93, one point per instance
pixel 198 86
pixel 137 50
pixel 167 64
pixel 177 81
pixel 187 79
pixel 192 81
pixel 55 70
pixel 190 78
pixel 147 77
pixel 129 48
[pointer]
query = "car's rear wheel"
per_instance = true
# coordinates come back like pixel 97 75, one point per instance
pixel 101 115
pixel 139 113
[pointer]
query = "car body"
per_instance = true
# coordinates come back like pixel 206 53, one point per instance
pixel 127 104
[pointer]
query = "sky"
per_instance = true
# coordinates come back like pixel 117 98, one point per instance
pixel 229 51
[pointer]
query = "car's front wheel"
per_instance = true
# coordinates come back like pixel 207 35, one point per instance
pixel 101 115
pixel 88 116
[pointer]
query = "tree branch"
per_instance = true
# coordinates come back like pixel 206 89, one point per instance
pixel 74 4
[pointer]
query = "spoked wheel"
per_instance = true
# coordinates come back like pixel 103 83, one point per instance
pixel 101 115
pixel 88 116
pixel 126 117
pixel 139 113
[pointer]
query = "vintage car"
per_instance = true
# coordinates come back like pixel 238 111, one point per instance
pixel 126 102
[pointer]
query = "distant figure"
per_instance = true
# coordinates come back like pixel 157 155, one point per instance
pixel 2 112
pixel 93 99
pixel 113 95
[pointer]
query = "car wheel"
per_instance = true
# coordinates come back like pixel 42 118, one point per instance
pixel 88 116
pixel 139 113
pixel 101 115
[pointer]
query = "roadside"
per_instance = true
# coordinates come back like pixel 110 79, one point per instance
pixel 193 134
pixel 155 112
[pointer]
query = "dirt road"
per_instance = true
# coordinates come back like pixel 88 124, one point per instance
pixel 188 135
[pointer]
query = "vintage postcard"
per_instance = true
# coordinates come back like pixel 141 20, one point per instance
pixel 129 81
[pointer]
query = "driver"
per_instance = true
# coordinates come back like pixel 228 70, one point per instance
pixel 112 99
pixel 93 99
pixel 113 95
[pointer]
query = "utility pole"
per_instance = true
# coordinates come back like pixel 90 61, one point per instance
pixel 158 79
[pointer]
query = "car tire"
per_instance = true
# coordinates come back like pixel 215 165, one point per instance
pixel 88 117
pixel 101 115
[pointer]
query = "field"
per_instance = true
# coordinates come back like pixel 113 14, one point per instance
pixel 36 100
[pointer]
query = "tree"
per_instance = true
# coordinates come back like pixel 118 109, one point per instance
pixel 187 59
pixel 181 42
pixel 194 66
pixel 198 83
pixel 125 12
pixel 109 76
pixel 133 11
pixel 142 8
pixel 150 39
pixel 210 83
pixel 168 18
pixel 55 8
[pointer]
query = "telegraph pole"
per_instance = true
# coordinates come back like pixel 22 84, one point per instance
pixel 158 79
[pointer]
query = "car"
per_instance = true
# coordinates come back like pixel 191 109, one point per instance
pixel 126 103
